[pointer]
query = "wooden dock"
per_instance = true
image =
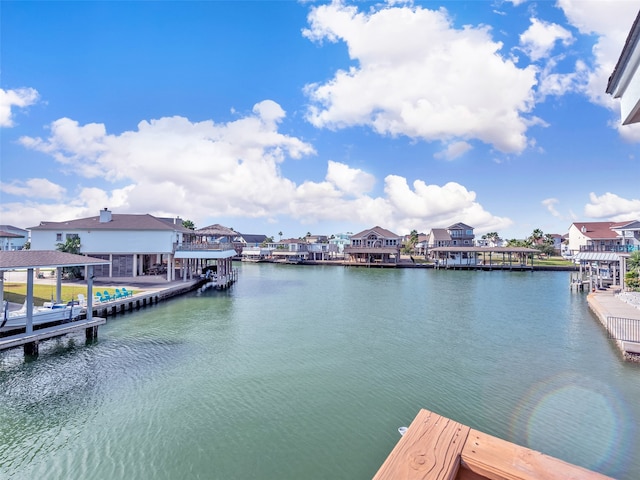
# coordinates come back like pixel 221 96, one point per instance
pixel 437 448
pixel 30 341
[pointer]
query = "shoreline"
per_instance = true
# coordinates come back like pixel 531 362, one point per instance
pixel 604 304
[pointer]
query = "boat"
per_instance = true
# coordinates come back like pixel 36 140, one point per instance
pixel 50 312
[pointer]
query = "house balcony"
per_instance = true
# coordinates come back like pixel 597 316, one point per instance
pixel 201 246
pixel 610 248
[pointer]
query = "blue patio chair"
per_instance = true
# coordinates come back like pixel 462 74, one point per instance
pixel 126 292
pixel 107 297
pixel 99 297
pixel 118 294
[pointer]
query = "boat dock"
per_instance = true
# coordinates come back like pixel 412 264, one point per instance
pixel 437 448
pixel 30 341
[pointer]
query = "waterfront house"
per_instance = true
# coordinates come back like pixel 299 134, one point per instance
pixel 624 82
pixel 12 238
pixel 461 235
pixel 374 246
pixel 135 245
pixel 338 242
pixel 292 250
pixel 438 237
pixel 603 236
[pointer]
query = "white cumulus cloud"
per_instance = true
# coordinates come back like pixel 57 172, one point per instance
pixel 412 76
pixel 612 207
pixel 172 166
pixel 20 97
pixel 541 37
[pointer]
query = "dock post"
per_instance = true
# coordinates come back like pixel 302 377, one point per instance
pixel 91 333
pixel 31 348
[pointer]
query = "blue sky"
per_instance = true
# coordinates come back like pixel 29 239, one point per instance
pixel 321 117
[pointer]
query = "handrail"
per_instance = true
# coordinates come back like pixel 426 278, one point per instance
pixel 203 246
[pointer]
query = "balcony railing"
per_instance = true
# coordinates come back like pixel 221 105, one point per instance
pixel 197 246
pixel 610 248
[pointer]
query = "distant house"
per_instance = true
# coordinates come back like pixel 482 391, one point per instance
pixel 339 241
pixel 624 82
pixel 292 250
pixel 603 236
pixel 461 235
pixel 375 245
pixel 438 237
pixel 250 240
pixel 133 244
pixel 12 238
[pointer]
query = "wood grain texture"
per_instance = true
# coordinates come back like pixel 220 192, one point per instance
pixel 494 458
pixel 437 448
pixel 430 449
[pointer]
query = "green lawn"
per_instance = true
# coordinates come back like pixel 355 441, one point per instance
pixel 17 292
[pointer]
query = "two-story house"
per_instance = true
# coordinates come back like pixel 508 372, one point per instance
pixel 374 246
pixel 133 244
pixel 602 236
pixel 461 235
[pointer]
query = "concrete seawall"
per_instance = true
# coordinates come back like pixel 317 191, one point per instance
pixel 605 305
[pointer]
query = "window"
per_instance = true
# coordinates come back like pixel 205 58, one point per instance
pixel 58 237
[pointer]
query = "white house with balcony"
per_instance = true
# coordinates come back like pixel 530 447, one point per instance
pixel 135 245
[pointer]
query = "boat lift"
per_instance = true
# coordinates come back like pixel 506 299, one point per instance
pixel 31 260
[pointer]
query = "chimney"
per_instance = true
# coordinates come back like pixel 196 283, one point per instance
pixel 105 215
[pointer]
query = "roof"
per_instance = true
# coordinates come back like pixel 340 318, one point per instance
pixel 253 238
pixel 459 226
pixel 4 234
pixel 625 56
pixel 9 228
pixel 216 230
pixel 439 234
pixel 600 230
pixel 378 230
pixel 486 249
pixel 120 221
pixel 634 225
pixel 599 256
pixel 20 259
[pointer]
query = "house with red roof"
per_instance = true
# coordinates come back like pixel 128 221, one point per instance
pixel 604 236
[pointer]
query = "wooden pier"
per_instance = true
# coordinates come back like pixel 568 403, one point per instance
pixel 437 448
pixel 30 341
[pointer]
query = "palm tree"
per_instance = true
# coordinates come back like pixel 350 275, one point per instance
pixel 189 224
pixel 632 277
pixel 280 235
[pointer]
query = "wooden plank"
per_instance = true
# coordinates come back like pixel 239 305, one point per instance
pixel 496 459
pixel 429 450
pixel 49 332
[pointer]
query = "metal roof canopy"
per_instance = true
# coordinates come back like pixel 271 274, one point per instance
pixel 486 249
pixel 31 259
pixel 21 259
pixel 599 256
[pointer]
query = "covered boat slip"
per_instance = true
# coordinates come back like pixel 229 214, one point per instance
pixel 483 258
pixel 30 260
pixel 600 269
pixel 196 259
pixel 438 448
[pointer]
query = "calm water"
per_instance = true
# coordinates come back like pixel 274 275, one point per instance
pixel 307 372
